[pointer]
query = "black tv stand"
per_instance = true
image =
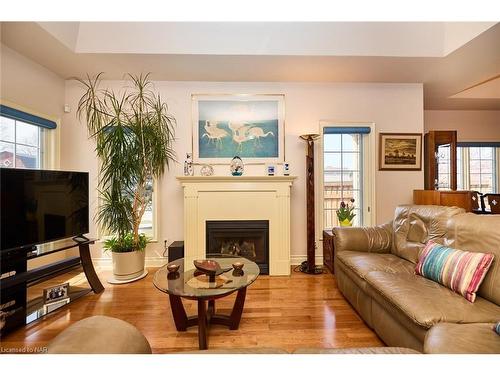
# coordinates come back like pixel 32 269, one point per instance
pixel 16 279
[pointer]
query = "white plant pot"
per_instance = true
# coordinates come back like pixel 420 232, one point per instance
pixel 128 266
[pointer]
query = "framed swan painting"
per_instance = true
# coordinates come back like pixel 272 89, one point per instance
pixel 249 126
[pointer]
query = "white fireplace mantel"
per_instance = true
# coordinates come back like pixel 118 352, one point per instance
pixel 238 198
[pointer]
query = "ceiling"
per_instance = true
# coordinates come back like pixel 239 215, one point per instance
pixel 458 63
pixel 402 39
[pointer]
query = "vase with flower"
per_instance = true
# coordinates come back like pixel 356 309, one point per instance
pixel 346 214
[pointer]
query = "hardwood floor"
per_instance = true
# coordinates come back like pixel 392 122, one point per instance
pixel 285 312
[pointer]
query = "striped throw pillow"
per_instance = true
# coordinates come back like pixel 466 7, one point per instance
pixel 461 271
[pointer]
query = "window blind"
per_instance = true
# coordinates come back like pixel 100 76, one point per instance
pixel 346 130
pixel 18 115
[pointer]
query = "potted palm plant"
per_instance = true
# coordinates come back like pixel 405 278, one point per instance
pixel 133 132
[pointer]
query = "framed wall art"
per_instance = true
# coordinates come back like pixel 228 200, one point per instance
pixel 400 152
pixel 245 125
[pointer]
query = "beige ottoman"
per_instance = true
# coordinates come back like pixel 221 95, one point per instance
pixel 449 338
pixel 100 335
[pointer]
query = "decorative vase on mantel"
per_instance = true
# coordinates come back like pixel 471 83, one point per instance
pixel 236 166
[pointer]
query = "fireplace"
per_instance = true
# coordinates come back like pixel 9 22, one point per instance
pixel 246 238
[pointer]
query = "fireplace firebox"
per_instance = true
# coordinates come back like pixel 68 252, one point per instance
pixel 246 238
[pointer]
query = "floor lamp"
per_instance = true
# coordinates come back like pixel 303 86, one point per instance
pixel 309 265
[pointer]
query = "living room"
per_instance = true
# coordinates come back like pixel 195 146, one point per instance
pixel 263 187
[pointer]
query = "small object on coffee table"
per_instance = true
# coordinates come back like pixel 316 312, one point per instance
pixel 209 267
pixel 172 268
pixel 238 265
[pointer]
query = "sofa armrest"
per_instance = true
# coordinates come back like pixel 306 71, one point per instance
pixel 368 239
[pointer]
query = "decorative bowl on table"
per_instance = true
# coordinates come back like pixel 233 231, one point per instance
pixel 211 268
pixel 171 268
pixel 207 266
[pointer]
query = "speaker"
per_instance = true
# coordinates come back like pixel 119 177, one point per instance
pixel 176 250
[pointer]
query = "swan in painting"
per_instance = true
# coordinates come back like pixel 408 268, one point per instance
pixel 257 133
pixel 239 139
pixel 234 126
pixel 214 133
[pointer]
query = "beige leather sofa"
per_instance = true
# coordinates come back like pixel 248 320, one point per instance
pixel 374 268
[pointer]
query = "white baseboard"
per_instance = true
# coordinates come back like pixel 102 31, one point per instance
pixel 298 259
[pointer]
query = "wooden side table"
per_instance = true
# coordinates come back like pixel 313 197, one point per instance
pixel 328 250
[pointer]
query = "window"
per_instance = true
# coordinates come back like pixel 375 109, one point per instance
pixel 148 222
pixel 481 168
pixel 20 144
pixel 22 139
pixel 477 167
pixel 344 177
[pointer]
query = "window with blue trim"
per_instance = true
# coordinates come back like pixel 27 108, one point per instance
pixel 21 144
pixel 22 138
pixel 342 171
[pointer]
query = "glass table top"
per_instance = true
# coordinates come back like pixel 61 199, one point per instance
pixel 188 282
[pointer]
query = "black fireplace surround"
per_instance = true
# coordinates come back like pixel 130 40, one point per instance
pixel 246 238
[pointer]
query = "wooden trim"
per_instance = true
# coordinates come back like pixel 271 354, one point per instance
pixel 432 140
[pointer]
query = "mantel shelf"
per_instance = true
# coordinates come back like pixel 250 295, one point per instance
pixel 197 179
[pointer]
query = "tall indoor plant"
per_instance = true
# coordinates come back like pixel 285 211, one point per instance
pixel 134 134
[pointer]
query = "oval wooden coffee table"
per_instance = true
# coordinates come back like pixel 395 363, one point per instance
pixel 189 283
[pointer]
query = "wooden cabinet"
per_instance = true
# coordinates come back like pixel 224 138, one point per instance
pixel 328 250
pixel 463 199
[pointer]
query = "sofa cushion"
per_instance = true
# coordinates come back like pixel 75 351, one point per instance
pixel 461 271
pixel 426 302
pixel 414 226
pixel 447 338
pixel 479 233
pixel 362 263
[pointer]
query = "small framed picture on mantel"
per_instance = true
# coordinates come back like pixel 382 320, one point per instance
pixel 400 152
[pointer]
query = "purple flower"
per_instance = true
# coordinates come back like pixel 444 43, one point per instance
pixel 352 200
pixel 342 204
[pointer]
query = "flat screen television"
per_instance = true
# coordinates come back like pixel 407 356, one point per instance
pixel 39 206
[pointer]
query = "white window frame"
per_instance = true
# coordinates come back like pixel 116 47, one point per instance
pixel 466 163
pixel 50 141
pixel 369 170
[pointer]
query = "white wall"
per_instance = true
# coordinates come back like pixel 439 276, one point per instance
pixel 30 85
pixel 392 107
pixel 470 125
pixel 35 89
